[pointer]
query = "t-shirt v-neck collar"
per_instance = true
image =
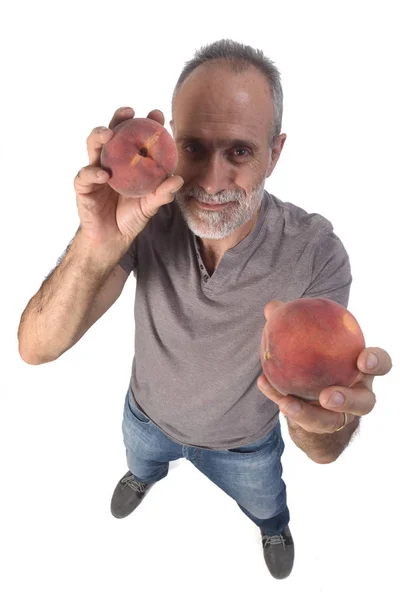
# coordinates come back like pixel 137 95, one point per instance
pixel 230 255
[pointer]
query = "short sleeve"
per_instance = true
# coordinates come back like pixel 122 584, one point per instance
pixel 331 272
pixel 129 260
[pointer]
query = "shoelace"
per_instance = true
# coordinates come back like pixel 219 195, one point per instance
pixel 137 486
pixel 273 539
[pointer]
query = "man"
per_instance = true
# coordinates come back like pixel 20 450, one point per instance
pixel 210 262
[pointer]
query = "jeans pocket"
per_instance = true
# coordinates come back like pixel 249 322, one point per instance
pixel 135 412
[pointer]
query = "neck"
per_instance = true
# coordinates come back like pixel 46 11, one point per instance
pixel 212 251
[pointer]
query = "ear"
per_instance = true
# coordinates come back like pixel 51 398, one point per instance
pixel 276 152
pixel 171 124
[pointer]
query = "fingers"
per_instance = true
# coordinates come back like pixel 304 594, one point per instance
pixel 126 112
pixel 314 418
pixel 169 186
pixel 101 135
pixel 122 114
pixel 380 366
pixel 270 307
pixel 157 115
pixel 310 416
pixel 268 310
pixel 163 195
pixel 89 179
pixel 357 400
pixel 95 142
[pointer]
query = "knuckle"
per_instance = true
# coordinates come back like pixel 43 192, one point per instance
pixel 84 174
pixel 101 130
pixel 79 174
pixel 94 135
pixel 373 401
pixel 80 178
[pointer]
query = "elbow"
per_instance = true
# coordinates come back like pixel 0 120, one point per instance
pixel 23 349
pixel 29 358
pixel 28 354
pixel 26 347
pixel 34 358
pixel 323 461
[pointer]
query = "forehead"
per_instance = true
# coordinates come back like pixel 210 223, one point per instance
pixel 214 101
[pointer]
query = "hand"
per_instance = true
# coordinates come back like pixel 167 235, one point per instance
pixel 319 416
pixel 108 218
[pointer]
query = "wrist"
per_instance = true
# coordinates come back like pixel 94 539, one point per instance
pixel 322 447
pixel 98 255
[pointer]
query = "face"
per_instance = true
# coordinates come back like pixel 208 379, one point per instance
pixel 221 123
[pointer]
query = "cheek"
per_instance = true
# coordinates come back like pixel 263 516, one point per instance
pixel 257 174
pixel 249 181
pixel 184 168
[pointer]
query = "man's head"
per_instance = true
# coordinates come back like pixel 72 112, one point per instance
pixel 226 121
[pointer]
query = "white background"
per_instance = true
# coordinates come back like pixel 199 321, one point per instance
pixel 65 70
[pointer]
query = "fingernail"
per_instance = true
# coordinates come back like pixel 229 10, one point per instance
pixel 293 409
pixel 337 399
pixel 372 361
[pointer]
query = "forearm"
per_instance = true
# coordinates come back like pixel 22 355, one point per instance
pixel 56 317
pixel 322 448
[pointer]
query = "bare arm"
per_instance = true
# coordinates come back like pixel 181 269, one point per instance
pixel 78 292
pixel 89 279
pixel 322 448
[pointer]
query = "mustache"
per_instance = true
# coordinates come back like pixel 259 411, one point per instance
pixel 220 198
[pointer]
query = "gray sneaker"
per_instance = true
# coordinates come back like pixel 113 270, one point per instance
pixel 128 495
pixel 279 553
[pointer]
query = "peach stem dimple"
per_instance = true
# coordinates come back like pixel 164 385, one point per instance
pixel 144 150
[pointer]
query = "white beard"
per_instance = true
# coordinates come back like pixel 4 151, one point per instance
pixel 216 225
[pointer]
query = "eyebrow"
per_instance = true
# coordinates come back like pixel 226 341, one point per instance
pixel 220 142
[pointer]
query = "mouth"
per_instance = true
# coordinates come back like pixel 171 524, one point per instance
pixel 210 206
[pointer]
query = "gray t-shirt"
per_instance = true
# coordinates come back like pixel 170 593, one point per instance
pixel 197 338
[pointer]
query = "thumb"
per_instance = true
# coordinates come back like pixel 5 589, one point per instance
pixel 164 194
pixel 169 187
pixel 270 307
pixel 178 183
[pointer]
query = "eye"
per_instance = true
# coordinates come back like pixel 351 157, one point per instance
pixel 191 148
pixel 243 152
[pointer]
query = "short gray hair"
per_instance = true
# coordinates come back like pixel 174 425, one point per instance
pixel 239 57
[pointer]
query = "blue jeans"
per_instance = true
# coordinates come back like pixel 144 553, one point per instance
pixel 250 474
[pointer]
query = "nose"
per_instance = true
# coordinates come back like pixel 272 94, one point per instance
pixel 214 175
